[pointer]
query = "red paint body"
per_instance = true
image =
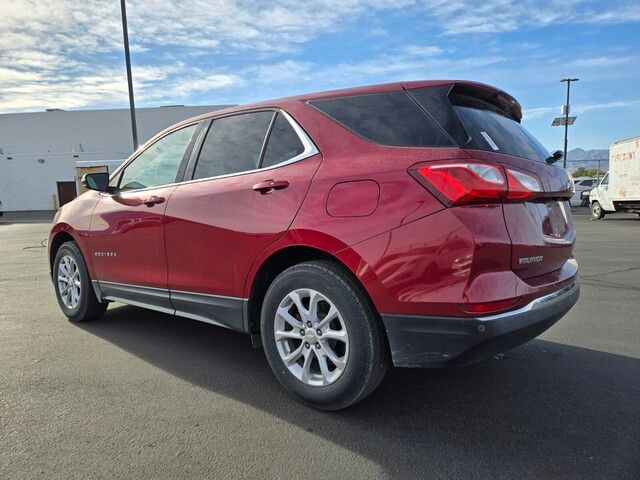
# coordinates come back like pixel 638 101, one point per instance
pixel 356 201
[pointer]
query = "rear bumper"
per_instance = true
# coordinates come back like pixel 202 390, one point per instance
pixel 417 341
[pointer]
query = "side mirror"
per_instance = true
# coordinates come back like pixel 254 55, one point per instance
pixel 96 181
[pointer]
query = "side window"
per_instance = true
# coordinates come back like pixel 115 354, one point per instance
pixel 605 180
pixel 233 144
pixel 390 118
pixel 159 163
pixel 283 143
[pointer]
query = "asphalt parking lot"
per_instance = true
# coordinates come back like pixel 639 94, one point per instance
pixel 138 394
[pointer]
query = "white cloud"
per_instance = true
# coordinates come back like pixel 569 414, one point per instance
pixel 68 53
pixel 462 17
pixel 541 112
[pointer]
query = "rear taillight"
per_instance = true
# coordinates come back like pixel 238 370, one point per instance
pixel 464 183
pixel 523 186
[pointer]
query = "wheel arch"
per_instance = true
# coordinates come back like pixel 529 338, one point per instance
pixel 56 240
pixel 277 262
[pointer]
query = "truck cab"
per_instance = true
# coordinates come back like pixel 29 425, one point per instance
pixel 600 199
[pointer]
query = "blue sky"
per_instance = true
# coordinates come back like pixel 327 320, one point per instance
pixel 68 54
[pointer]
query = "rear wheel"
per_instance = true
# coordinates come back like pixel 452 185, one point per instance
pixel 596 211
pixel 323 340
pixel 74 291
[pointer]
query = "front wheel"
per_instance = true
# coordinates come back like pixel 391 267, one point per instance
pixel 596 211
pixel 73 285
pixel 323 340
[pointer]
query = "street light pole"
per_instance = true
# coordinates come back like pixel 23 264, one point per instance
pixel 566 116
pixel 127 59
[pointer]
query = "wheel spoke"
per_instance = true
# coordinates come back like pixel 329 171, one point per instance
pixel 280 334
pixel 331 355
pixel 294 355
pixel 290 319
pixel 297 300
pixel 62 278
pixel 339 335
pixel 306 366
pixel 331 315
pixel 314 299
pixel 324 368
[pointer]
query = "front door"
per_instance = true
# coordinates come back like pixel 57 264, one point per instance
pixel 245 194
pixel 605 194
pixel 127 228
pixel 66 192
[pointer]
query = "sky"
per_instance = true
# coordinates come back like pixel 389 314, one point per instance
pixel 68 54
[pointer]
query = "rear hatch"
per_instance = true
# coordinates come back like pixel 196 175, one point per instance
pixel 486 123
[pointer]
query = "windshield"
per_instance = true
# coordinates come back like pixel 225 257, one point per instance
pixel 497 133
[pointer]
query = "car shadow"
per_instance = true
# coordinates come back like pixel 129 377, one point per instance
pixel 543 410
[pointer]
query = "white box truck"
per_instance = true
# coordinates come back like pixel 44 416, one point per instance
pixel 619 189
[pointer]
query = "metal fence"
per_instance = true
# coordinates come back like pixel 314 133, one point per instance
pixel 600 165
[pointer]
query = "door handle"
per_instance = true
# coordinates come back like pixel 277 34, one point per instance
pixel 270 185
pixel 151 201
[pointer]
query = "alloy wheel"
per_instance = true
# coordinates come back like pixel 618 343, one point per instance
pixel 311 337
pixel 69 282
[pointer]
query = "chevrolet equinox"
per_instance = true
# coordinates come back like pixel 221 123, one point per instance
pixel 415 224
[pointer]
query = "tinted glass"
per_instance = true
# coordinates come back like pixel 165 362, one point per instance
pixel 159 163
pixel 283 143
pixel 233 144
pixel 586 183
pixel 496 133
pixel 390 118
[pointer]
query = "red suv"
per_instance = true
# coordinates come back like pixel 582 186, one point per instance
pixel 414 223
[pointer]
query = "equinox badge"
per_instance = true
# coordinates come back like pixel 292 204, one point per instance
pixel 525 260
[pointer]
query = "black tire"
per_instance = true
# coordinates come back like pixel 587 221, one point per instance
pixel 597 212
pixel 88 306
pixel 368 358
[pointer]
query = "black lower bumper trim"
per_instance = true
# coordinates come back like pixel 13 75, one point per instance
pixel 418 341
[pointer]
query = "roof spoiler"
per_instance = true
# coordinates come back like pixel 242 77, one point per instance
pixel 496 97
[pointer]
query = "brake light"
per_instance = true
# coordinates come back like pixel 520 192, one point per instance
pixel 489 307
pixel 464 183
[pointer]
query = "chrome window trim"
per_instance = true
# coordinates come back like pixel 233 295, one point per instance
pixel 310 150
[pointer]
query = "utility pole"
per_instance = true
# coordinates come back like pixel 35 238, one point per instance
pixel 565 109
pixel 127 59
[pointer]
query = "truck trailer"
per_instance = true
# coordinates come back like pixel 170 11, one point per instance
pixel 619 189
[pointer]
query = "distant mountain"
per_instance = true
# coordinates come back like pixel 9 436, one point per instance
pixel 587 158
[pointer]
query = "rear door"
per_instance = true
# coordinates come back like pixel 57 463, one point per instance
pixel 248 181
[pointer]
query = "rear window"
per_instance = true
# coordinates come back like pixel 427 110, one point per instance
pixel 390 118
pixel 283 144
pixel 233 144
pixel 494 132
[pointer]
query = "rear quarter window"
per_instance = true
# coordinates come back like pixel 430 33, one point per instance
pixel 390 118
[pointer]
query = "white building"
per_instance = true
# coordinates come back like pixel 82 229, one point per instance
pixel 39 151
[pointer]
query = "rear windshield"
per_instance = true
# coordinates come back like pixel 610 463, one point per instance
pixel 496 133
pixel 437 116
pixel 390 118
